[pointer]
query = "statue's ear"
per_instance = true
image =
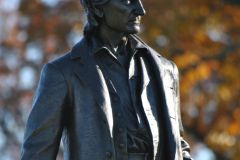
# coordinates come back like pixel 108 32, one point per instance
pixel 98 12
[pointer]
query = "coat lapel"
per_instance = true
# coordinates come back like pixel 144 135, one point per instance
pixel 150 111
pixel 89 73
pixel 162 72
pixel 170 129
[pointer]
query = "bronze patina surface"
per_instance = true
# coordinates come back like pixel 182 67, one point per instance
pixel 110 97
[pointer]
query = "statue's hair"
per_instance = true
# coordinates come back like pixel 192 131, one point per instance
pixel 89 7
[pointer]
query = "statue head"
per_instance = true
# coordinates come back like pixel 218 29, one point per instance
pixel 120 15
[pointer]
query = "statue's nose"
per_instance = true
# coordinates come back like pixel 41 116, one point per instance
pixel 139 10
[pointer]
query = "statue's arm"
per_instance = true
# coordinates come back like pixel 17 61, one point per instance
pixel 44 127
pixel 184 144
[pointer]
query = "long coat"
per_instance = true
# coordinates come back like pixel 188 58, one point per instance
pixel 72 102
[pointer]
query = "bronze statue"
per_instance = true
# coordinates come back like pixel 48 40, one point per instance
pixel 110 97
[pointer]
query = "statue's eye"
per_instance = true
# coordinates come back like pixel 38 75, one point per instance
pixel 126 2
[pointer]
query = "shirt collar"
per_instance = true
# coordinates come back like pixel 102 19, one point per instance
pixel 96 46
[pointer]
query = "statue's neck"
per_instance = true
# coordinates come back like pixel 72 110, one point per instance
pixel 115 41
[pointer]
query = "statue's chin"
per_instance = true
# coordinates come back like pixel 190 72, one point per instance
pixel 133 30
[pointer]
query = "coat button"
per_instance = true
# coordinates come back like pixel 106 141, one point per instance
pixel 104 120
pixel 119 115
pixel 108 154
pixel 132 78
pixel 120 130
pixel 115 99
pixel 121 145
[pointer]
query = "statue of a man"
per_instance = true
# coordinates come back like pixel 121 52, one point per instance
pixel 110 97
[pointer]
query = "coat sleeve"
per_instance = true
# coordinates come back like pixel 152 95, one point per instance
pixel 184 144
pixel 45 123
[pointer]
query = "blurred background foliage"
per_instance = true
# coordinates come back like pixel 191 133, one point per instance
pixel 202 37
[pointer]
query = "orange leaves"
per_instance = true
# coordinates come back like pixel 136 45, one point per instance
pixel 154 32
pixel 204 71
pixel 236 115
pixel 221 141
pixel 230 71
pixel 234 128
pixel 214 65
pixel 194 76
pixel 186 60
pixel 204 10
pixel 184 9
pixel 200 37
pixel 52 23
pixel 199 32
pixel 224 93
pixel 50 44
pixel 37 19
pixel 170 15
pixel 78 27
pixel 12 38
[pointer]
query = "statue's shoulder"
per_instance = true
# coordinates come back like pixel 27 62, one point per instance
pixel 167 64
pixel 77 50
pixel 150 50
pixel 62 59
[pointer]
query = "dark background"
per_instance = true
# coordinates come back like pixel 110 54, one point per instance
pixel 202 37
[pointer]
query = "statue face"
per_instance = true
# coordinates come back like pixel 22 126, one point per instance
pixel 123 15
